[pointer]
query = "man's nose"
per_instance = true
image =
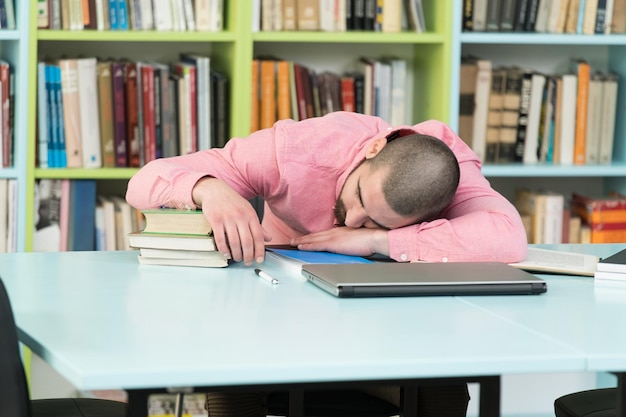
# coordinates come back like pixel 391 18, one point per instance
pixel 356 217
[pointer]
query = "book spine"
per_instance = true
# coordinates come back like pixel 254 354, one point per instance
pixel 119 114
pixel 71 113
pixel 132 118
pixel 105 107
pixel 582 102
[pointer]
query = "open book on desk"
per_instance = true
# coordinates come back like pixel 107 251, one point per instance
pixel 537 260
pixel 558 262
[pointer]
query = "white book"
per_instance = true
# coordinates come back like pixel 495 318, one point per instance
pixel 190 19
pixel 552 25
pixel 203 97
pixel 147 18
pixel 398 92
pixel 481 109
pixel 178 16
pixel 589 17
pixel 108 208
pixel 203 15
pixel 385 90
pixel 256 15
pixel 553 221
pixel 479 16
pixel 100 243
pixel 42 116
pixel 4 213
pixel 392 16
pixel 76 15
pixel 594 119
pixel 531 142
pixel 327 15
pixel 89 118
pixel 217 15
pixel 99 14
pixel 565 262
pixel 163 15
pixel 12 215
pixel 568 117
pixel 340 15
pixel 607 129
pixel 179 254
pixel 608 19
pixel 543 14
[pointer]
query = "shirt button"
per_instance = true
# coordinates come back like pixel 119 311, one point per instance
pixel 403 257
pixel 444 259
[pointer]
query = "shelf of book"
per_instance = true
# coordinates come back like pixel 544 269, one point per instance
pixel 547 170
pixel 134 36
pixel 77 173
pixel 351 37
pixel 550 54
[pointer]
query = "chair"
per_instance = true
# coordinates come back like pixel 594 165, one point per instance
pixel 332 403
pixel 14 397
pixel 590 403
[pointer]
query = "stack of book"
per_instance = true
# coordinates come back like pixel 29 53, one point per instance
pixel 177 238
pixel 612 268
pixel 604 216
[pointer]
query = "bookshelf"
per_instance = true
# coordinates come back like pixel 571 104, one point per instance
pixel 550 53
pixel 14 48
pixel 232 50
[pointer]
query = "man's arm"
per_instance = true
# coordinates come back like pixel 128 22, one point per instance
pixel 220 181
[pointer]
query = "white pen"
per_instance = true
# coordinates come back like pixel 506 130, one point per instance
pixel 265 276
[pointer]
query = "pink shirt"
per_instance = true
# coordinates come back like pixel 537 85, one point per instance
pixel 299 169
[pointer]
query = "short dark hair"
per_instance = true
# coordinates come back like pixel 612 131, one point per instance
pixel 423 175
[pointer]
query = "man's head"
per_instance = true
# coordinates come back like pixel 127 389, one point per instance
pixel 404 181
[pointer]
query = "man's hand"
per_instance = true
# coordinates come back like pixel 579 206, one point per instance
pixel 346 240
pixel 236 227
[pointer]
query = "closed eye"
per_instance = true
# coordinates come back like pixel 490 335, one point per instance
pixel 358 196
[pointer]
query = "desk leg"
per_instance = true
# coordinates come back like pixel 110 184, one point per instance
pixel 620 406
pixel 489 402
pixel 408 400
pixel 296 403
pixel 138 403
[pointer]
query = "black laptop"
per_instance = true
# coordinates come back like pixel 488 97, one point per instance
pixel 422 279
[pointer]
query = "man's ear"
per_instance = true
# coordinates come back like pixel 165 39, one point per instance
pixel 375 147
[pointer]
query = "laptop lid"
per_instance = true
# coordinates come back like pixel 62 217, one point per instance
pixel 422 279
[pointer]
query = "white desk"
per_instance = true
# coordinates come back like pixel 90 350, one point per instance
pixel 104 322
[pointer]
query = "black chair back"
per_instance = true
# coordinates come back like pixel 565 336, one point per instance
pixel 14 397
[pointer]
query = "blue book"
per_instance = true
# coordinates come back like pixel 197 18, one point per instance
pixel 43 107
pixel 81 234
pixel 59 149
pixel 293 259
pixel 113 20
pixel 122 14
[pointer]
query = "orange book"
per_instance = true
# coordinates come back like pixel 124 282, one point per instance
pixel 71 112
pixel 254 100
pixel 268 93
pixel 348 101
pixel 283 90
pixel 583 71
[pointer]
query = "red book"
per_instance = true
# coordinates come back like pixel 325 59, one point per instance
pixel 149 126
pixel 5 77
pixel 193 93
pixel 132 115
pixel 298 70
pixel 600 210
pixel 120 131
pixel 348 102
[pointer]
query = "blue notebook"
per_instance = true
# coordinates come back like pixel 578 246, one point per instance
pixel 293 259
